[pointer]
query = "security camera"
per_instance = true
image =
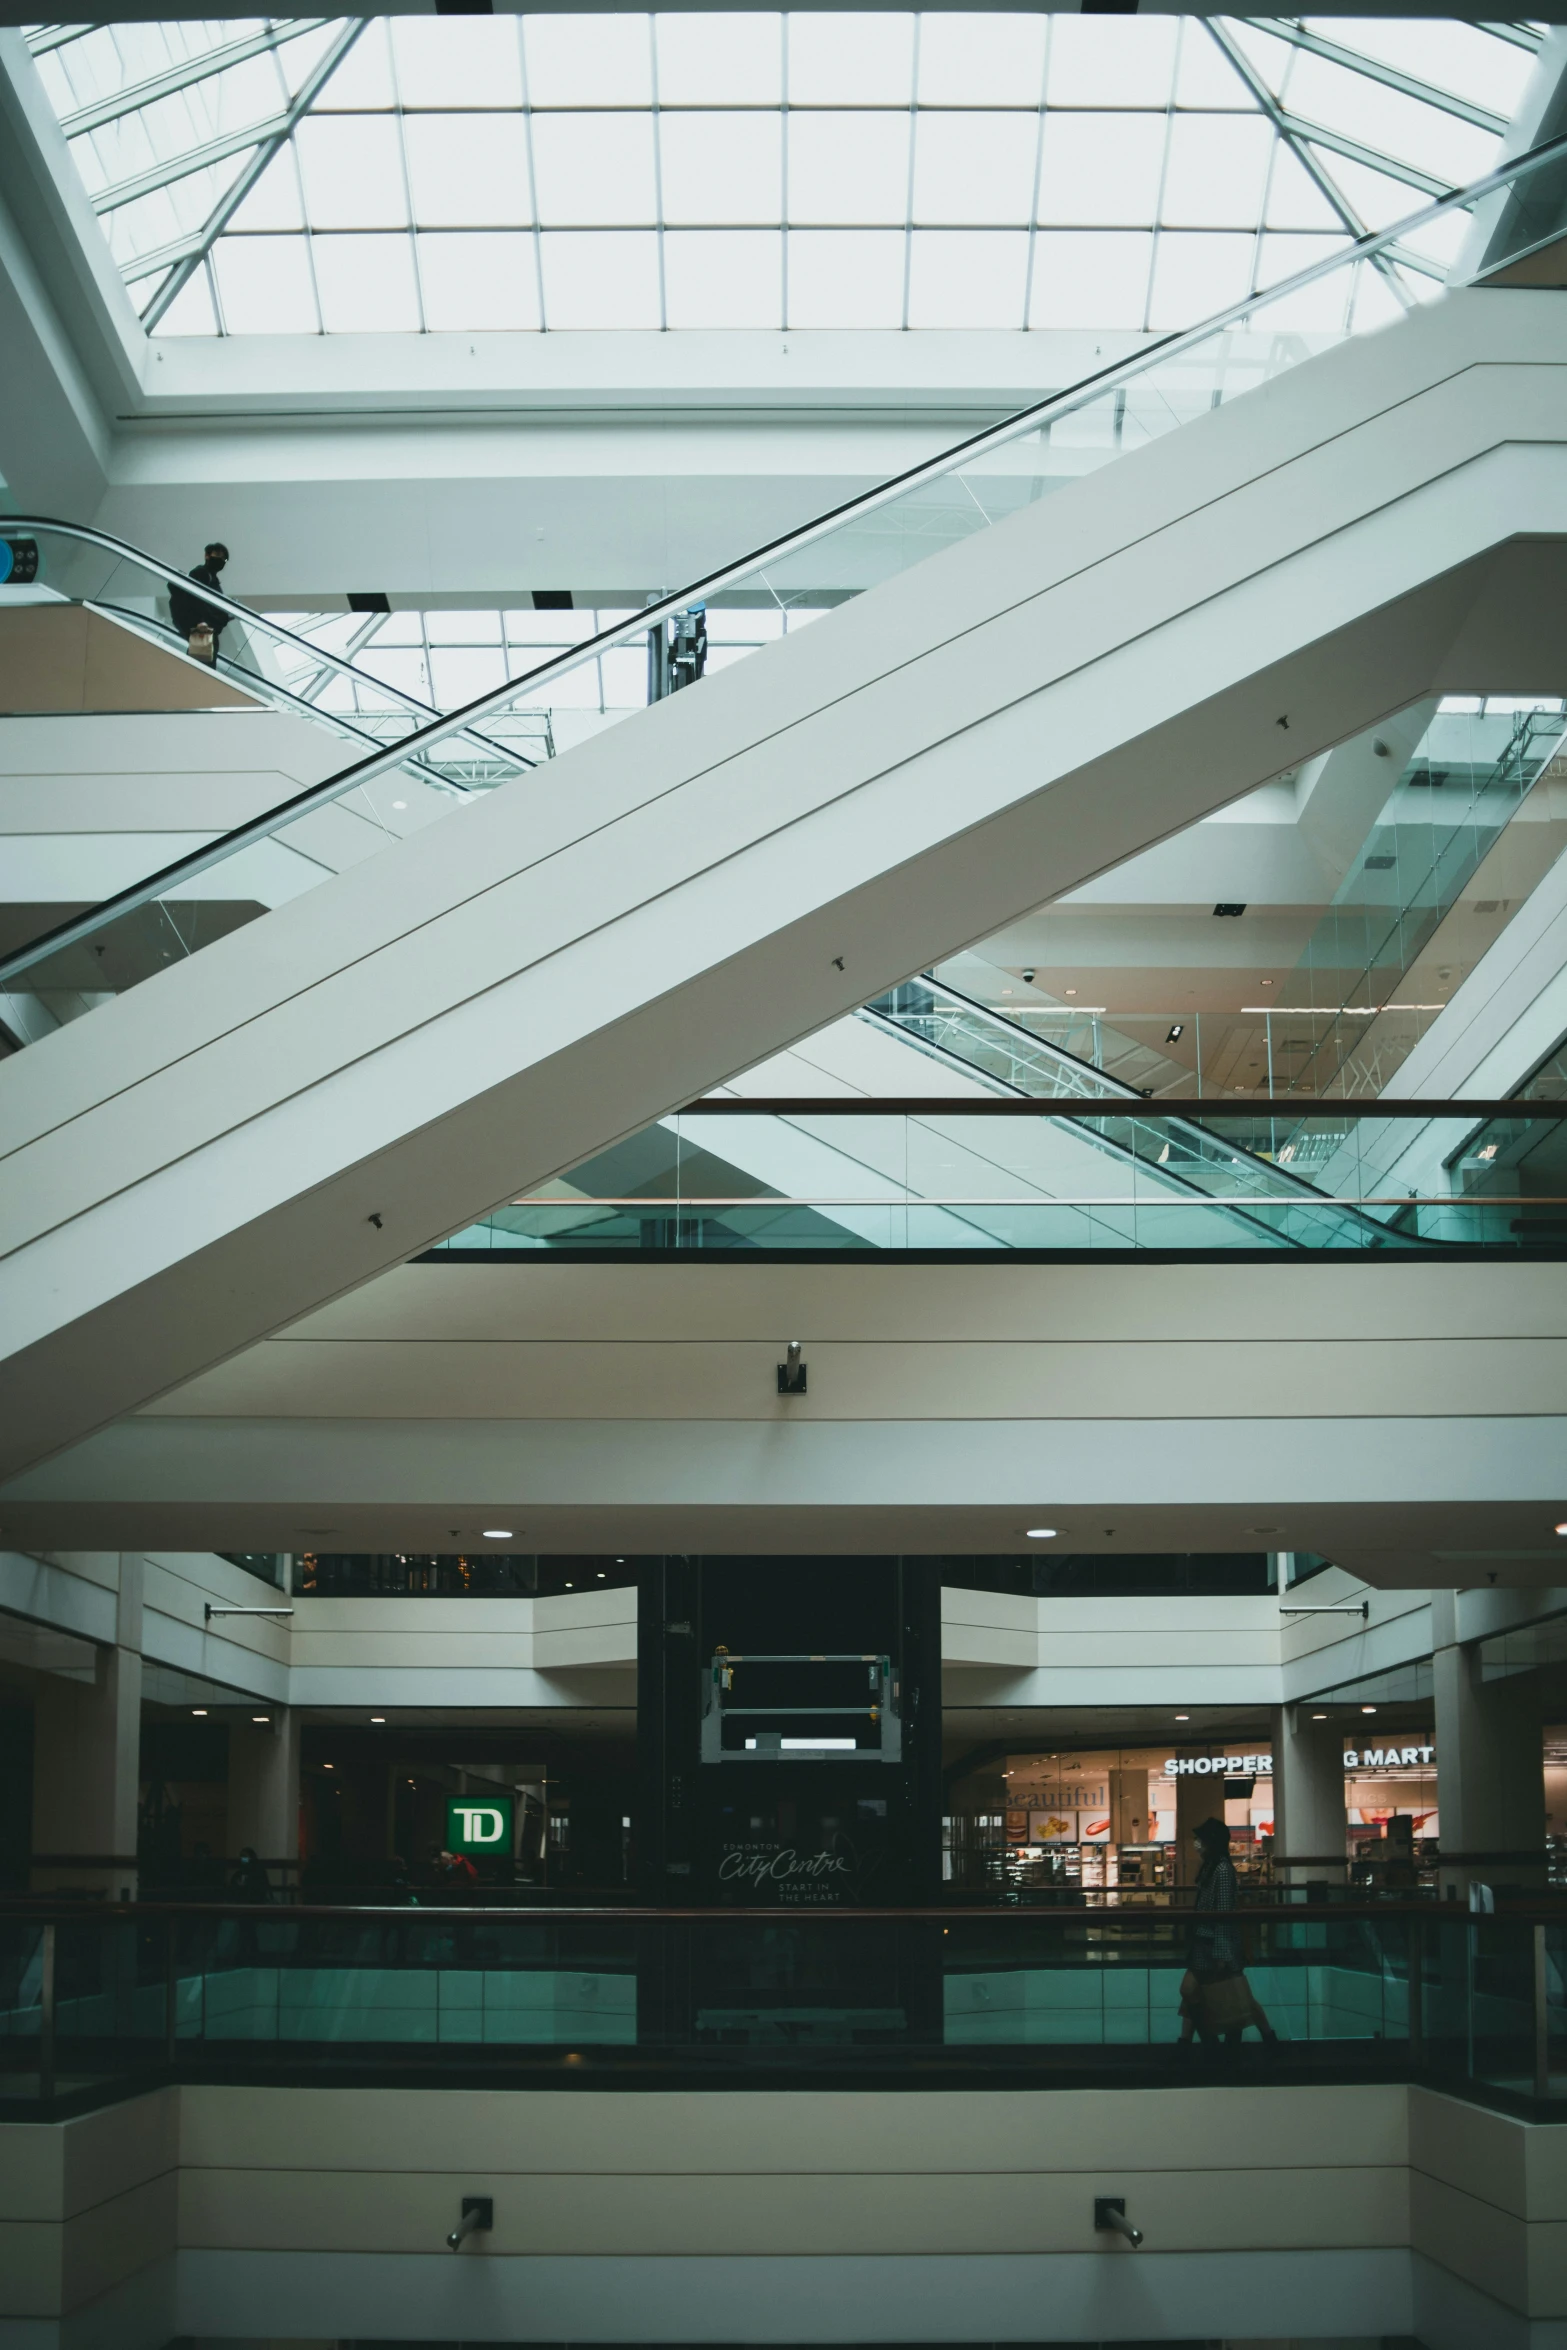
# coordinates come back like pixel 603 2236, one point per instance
pixel 1028 979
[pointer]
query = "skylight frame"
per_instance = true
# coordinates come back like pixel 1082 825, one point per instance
pixel 927 239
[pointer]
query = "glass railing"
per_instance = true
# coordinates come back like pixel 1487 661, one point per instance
pixel 1189 1156
pixel 92 2003
pixel 841 1177
pixel 1170 382
pixel 1377 958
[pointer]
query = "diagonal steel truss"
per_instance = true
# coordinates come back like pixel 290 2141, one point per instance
pixel 1285 129
pixel 229 203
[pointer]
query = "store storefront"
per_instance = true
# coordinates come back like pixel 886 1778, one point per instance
pixel 1114 1821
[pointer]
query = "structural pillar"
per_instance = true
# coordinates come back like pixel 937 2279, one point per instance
pixel 1308 1798
pixel 1490 1774
pixel 87 1763
pixel 263 1807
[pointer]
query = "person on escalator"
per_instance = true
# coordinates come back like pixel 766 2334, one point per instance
pixel 201 625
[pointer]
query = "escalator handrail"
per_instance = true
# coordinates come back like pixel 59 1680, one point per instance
pixel 26 525
pixel 1089 387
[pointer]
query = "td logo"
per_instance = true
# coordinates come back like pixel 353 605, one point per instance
pixel 472 1826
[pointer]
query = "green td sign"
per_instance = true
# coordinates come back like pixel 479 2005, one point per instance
pixel 475 1826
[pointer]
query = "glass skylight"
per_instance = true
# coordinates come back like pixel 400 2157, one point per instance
pixel 462 174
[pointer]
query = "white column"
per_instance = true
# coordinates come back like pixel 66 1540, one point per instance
pixel 87 1762
pixel 1308 1794
pixel 1490 1772
pixel 263 1808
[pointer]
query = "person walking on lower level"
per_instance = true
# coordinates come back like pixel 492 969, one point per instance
pixel 1216 1999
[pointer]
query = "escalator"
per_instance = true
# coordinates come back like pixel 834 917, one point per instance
pixel 1014 686
pixel 947 1179
pixel 1271 1203
pixel 77 604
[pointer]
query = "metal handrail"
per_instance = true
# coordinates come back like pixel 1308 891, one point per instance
pixel 1087 388
pixel 1086 1106
pixel 50 1909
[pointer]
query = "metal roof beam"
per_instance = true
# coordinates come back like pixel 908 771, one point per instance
pixel 189 70
pixel 1285 28
pixel 1252 81
pixel 223 212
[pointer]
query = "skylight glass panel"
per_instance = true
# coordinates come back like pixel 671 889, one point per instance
pixel 478 283
pixel 1217 169
pixel 981 60
pixel 594 168
pixel 1387 121
pixel 351 167
pixel 1195 275
pixel 1204 76
pixel 1084 278
pixel 192 312
pixel 1294 199
pixel 852 168
pixel 468 170
pixel 1101 169
pixel 975 278
pixel 366 285
pixel 1461 58
pixel 846 278
pixel 975 167
pixel 872 134
pixel 720 60
pixel 364 79
pixel 588 60
pixel 851 60
pixel 601 281
pixel 265 286
pixel 1111 60
pixel 457 61
pixel 721 167
pixel 723 278
pixel 275 202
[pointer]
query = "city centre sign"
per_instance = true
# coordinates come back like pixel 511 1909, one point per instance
pixel 472 1826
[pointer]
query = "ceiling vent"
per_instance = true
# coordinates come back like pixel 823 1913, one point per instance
pixel 1222 911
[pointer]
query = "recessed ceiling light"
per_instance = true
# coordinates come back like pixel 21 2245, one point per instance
pixel 1041 1533
pixel 377 1718
pixel 1562 1528
pixel 1368 1709
pixel 329 1766
pixel 1071 991
pixel 497 1534
pixel 261 1717
pixel 1183 1717
pixel 200 1712
pixel 1319 1717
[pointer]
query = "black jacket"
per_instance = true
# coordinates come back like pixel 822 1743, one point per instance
pixel 188 612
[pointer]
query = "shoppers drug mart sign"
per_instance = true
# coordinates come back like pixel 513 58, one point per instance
pixel 1260 1766
pixel 472 1826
